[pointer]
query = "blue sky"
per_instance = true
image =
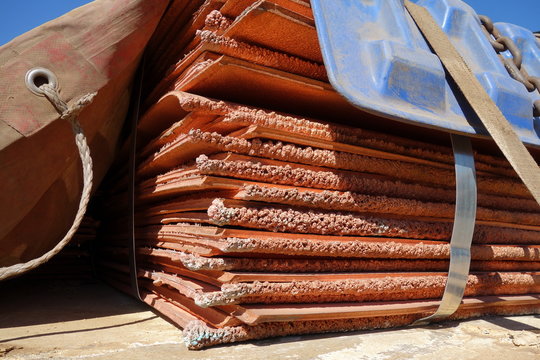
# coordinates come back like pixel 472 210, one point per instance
pixel 19 16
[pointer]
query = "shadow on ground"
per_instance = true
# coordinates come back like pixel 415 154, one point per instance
pixel 33 302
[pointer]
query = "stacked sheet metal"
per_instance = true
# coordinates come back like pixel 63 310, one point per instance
pixel 253 223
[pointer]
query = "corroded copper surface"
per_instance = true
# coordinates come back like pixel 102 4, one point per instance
pixel 313 264
pixel 175 153
pixel 253 223
pixel 243 242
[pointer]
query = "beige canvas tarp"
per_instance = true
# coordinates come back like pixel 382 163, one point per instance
pixel 95 48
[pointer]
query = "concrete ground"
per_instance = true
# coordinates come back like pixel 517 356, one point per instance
pixel 74 320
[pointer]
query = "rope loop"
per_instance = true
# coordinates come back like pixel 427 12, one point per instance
pixel 71 114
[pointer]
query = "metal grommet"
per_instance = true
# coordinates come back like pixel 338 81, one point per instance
pixel 39 76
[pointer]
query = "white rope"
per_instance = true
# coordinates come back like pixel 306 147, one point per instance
pixel 71 114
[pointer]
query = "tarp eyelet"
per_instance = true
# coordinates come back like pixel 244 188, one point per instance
pixel 39 76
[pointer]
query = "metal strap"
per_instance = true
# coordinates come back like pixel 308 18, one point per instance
pixel 462 233
pixel 133 116
pixel 134 121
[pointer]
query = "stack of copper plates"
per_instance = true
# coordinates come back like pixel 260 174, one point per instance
pixel 253 223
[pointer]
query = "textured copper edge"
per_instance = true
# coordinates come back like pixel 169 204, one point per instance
pixel 175 152
pixel 241 115
pixel 257 170
pixel 231 47
pixel 350 201
pixel 195 262
pixel 244 242
pixel 197 334
pixel 189 180
pixel 374 287
pixel 272 218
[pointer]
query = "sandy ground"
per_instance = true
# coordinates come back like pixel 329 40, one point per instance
pixel 74 320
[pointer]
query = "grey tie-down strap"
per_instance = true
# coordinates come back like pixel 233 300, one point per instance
pixel 462 232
